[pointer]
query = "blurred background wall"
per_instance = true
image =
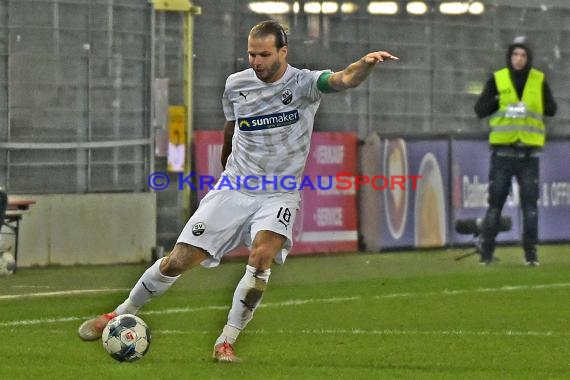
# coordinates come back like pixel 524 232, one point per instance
pixel 445 59
pixel 78 110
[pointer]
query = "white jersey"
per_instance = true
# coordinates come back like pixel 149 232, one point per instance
pixel 274 123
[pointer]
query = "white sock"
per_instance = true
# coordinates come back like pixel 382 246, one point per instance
pixel 151 284
pixel 127 307
pixel 229 334
pixel 247 297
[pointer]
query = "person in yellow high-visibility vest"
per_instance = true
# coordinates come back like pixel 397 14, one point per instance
pixel 516 99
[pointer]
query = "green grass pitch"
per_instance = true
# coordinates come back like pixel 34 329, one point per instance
pixel 401 315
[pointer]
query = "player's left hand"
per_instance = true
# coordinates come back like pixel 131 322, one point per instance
pixel 379 56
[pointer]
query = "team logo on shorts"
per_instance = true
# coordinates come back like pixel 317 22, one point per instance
pixel 198 229
pixel 286 96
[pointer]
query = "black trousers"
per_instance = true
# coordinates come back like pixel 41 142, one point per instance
pixel 523 164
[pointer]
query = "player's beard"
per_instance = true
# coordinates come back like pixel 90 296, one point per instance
pixel 268 74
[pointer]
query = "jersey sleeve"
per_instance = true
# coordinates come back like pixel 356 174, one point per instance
pixel 314 83
pixel 227 104
pixel 323 82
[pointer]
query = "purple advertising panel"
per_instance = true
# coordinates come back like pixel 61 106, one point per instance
pixel 470 173
pixel 327 220
pixel 554 203
pixel 415 214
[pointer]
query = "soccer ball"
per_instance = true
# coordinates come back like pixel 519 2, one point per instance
pixel 7 263
pixel 126 338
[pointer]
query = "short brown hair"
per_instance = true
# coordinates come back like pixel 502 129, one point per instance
pixel 271 27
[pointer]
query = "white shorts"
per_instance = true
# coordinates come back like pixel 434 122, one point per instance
pixel 227 219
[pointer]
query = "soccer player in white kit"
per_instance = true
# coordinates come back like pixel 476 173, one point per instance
pixel 270 109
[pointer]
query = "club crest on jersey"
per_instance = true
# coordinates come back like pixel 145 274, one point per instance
pixel 286 96
pixel 274 120
pixel 198 229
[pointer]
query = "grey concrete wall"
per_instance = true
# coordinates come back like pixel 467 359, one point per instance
pixel 88 229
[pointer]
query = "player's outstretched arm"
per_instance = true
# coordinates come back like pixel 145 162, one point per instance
pixel 358 71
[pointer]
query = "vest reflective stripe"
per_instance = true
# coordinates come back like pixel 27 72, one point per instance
pixel 529 113
pixel 527 127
